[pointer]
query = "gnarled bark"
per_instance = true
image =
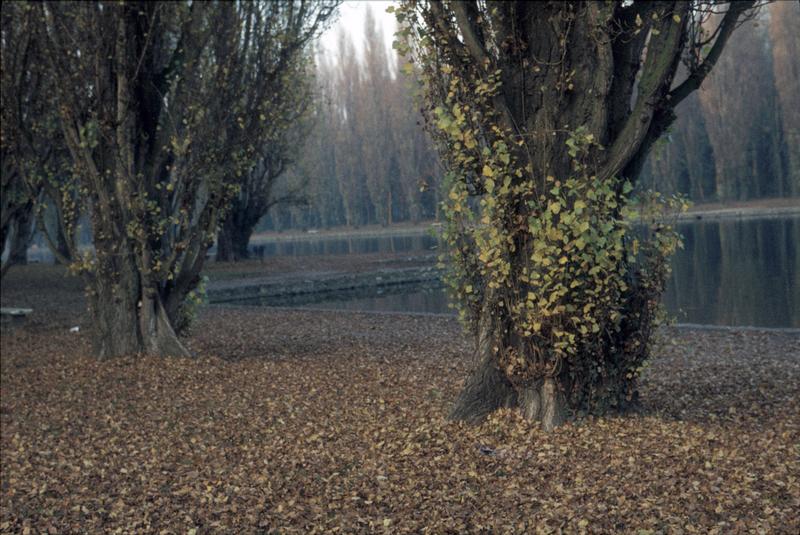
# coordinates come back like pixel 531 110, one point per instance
pixel 607 70
pixel 129 318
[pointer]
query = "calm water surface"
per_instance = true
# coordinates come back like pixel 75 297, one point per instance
pixel 736 272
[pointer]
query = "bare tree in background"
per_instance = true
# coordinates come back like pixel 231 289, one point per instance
pixel 34 155
pixel 738 103
pixel 368 160
pixel 290 96
pixel 784 31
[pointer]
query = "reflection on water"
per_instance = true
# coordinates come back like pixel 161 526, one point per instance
pixel 739 272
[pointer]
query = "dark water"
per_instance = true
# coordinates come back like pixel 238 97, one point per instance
pixel 742 272
pixel 737 272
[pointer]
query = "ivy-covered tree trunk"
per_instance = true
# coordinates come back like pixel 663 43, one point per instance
pixel 543 113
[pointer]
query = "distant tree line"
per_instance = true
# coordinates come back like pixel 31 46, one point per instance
pixel 368 159
pixel 345 145
pixel 738 137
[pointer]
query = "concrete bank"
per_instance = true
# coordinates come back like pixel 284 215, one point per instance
pixel 318 283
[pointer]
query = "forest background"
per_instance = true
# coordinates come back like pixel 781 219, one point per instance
pixel 368 161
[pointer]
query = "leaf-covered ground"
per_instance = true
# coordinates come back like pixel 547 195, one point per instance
pixel 305 422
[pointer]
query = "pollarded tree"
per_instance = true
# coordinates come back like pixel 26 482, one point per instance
pixel 16 199
pixel 33 154
pixel 145 92
pixel 287 127
pixel 543 113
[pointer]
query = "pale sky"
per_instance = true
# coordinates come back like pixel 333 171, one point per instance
pixel 351 18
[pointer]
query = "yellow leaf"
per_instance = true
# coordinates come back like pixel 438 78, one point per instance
pixel 487 171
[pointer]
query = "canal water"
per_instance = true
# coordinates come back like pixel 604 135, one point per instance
pixel 743 272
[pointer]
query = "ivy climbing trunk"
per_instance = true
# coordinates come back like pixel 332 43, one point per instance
pixel 542 113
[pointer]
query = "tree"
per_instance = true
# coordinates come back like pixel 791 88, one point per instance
pixel 543 113
pixel 288 126
pixel 16 203
pixel 783 23
pixel 417 167
pixel 162 106
pixel 317 166
pixel 15 209
pixel 683 161
pixel 371 116
pixel 740 112
pixel 367 160
pixel 733 139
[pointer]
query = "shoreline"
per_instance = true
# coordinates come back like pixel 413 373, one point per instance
pixel 711 212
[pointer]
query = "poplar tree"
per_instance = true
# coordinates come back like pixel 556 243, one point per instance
pixel 543 113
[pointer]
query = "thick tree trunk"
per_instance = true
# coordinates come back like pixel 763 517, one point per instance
pixel 233 241
pixel 224 246
pixel 544 402
pixel 21 239
pixel 488 389
pixel 128 320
